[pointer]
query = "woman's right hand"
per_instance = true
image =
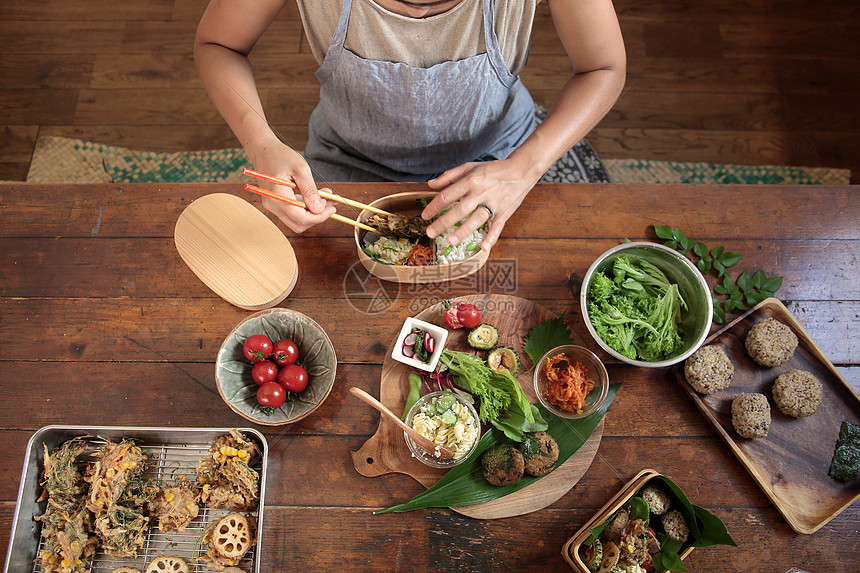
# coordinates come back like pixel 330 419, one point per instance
pixel 280 161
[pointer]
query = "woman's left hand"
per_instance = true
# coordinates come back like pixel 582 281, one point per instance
pixel 465 189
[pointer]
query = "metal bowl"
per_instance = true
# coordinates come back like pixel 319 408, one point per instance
pixel 695 319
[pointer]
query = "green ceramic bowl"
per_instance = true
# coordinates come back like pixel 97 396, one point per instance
pixel 316 355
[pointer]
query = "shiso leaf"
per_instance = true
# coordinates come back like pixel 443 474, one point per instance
pixel 465 484
pixel 545 336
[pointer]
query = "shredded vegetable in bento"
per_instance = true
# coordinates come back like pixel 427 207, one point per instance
pixel 567 383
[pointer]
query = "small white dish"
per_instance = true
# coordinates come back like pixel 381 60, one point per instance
pixel 439 334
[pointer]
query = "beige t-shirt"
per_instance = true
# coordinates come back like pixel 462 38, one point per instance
pixel 377 34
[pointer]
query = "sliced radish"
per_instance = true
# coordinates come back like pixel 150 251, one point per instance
pixel 410 339
pixel 408 351
pixel 428 342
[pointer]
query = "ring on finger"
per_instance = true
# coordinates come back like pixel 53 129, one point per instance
pixel 490 212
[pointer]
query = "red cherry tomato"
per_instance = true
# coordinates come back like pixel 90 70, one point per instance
pixel 257 347
pixel 469 315
pixel 293 378
pixel 271 394
pixel 285 352
pixel 265 371
pixel 451 318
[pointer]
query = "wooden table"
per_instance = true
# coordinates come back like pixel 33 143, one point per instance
pixel 101 323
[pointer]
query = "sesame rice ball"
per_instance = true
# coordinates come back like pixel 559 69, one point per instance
pixel 675 525
pixel 797 393
pixel 657 500
pixel 751 415
pixel 770 342
pixel 708 370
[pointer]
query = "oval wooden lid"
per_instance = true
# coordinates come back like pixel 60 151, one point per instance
pixel 236 251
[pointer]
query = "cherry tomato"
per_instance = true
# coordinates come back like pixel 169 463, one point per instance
pixel 257 347
pixel 469 315
pixel 451 318
pixel 285 352
pixel 271 394
pixel 265 371
pixel 293 378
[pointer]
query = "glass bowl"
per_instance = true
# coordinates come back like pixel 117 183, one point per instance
pixel 596 371
pixel 695 323
pixel 429 459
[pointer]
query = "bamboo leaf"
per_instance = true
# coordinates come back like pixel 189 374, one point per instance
pixel 465 484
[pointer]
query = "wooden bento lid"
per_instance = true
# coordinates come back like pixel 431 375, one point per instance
pixel 236 251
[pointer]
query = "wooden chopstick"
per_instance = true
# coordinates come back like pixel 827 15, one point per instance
pixel 297 203
pixel 332 196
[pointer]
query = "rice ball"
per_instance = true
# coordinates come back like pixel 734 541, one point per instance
pixel 708 370
pixel 751 415
pixel 675 525
pixel 797 393
pixel 657 500
pixel 770 343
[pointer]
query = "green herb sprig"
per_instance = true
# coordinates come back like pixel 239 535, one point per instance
pixel 729 295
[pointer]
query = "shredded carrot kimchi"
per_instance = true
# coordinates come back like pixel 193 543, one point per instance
pixel 567 383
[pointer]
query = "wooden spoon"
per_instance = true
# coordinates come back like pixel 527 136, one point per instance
pixel 427 445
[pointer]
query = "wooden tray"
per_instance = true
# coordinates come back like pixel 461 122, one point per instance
pixel 570 550
pixel 791 463
pixel 386 451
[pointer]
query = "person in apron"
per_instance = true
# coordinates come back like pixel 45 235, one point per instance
pixel 466 126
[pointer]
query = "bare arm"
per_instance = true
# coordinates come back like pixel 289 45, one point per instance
pixel 592 39
pixel 227 32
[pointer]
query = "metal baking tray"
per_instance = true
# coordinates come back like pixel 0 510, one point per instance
pixel 171 451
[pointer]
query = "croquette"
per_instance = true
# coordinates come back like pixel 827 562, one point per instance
pixel 675 525
pixel 657 500
pixel 502 465
pixel 751 415
pixel 797 393
pixel 708 370
pixel 770 343
pixel 540 452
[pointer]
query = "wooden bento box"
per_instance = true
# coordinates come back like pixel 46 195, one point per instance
pixel 408 204
pixel 570 550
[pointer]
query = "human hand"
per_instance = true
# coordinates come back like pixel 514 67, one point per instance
pixel 465 189
pixel 285 163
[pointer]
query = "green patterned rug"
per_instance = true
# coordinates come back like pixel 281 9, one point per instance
pixel 62 160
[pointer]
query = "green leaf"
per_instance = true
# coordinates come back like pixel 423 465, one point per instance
pixel 728 282
pixel 672 245
pixel 663 231
pixel 744 281
pixel 678 235
pixel 719 267
pixel 753 298
pixel 758 279
pixel 465 484
pixel 687 243
pixel 713 530
pixel 730 259
pixel 772 284
pixel 545 336
pixel 719 314
pixel 700 249
pixel 720 289
pixel 717 252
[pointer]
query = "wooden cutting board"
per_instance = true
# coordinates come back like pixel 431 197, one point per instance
pixel 236 251
pixel 386 451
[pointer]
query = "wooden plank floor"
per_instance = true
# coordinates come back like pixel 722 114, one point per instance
pixel 748 81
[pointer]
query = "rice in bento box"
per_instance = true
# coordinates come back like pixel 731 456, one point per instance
pixel 390 250
pixel 447 254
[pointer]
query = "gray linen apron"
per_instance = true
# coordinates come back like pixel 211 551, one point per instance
pixel 387 121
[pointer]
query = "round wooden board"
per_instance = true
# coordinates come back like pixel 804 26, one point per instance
pixel 386 452
pixel 236 251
